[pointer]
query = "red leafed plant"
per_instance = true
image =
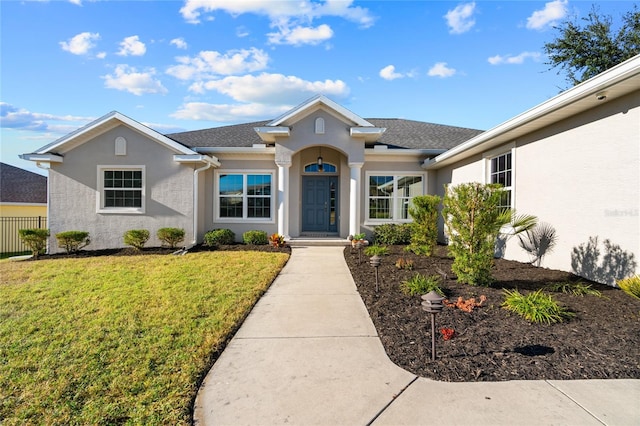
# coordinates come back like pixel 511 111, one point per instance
pixel 465 305
pixel 447 333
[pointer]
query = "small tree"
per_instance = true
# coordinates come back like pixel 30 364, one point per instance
pixel 424 229
pixel 473 219
pixel 136 238
pixel 73 241
pixel 35 239
pixel 171 236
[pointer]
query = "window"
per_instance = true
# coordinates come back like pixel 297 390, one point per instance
pixel 389 196
pixel 245 196
pixel 326 168
pixel 121 189
pixel 501 173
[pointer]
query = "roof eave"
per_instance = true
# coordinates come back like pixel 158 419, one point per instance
pixel 42 158
pixel 270 133
pixel 369 134
pixel 196 158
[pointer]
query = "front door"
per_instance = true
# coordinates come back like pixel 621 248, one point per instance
pixel 319 204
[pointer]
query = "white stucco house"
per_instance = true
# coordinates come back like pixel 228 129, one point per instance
pixel 321 170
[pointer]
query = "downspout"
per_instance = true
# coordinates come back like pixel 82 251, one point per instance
pixel 196 172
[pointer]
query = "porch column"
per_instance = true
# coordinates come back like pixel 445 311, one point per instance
pixel 283 198
pixel 354 198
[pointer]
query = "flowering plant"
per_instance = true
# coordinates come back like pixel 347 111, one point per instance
pixel 447 333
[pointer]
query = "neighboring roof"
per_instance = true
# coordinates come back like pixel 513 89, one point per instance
pixel 613 83
pixel 21 186
pixel 400 133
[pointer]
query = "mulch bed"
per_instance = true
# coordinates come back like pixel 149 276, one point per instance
pixel 602 341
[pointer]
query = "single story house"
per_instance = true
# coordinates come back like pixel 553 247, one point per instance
pixel 321 170
pixel 23 204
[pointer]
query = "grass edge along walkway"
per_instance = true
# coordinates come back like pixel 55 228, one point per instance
pixel 116 339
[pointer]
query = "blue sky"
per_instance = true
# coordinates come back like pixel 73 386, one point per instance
pixel 195 64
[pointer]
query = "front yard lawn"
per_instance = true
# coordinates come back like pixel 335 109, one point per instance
pixel 119 339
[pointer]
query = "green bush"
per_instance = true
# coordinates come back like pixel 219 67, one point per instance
pixel 257 238
pixel 419 284
pixel 537 307
pixel 35 239
pixel 472 219
pixel 376 250
pixel 424 229
pixel 576 288
pixel 219 237
pixel 171 236
pixel 136 238
pixel 391 234
pixel 631 286
pixel 73 241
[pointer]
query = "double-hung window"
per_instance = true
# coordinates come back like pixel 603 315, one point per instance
pixel 389 196
pixel 501 172
pixel 244 196
pixel 121 189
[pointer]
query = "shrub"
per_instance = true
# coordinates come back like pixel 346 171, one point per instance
pixel 576 288
pixel 218 237
pixel 419 284
pixel 424 229
pixel 257 238
pixel 73 241
pixel 376 250
pixel 136 238
pixel 403 263
pixel 276 240
pixel 392 234
pixel 631 286
pixel 35 239
pixel 535 307
pixel 472 220
pixel 171 236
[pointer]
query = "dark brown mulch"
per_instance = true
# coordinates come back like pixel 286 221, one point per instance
pixel 602 341
pixel 130 251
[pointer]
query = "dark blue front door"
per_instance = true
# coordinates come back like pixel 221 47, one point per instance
pixel 319 203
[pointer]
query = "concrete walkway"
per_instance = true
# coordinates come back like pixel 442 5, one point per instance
pixel 308 354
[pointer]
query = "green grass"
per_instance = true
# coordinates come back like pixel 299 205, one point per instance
pixel 537 307
pixel 111 340
pixel 420 284
pixel 575 288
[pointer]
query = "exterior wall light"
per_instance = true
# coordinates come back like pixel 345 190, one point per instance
pixel 433 304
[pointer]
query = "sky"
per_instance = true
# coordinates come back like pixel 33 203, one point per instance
pixel 196 64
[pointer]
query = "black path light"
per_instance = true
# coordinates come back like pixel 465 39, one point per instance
pixel 375 262
pixel 433 304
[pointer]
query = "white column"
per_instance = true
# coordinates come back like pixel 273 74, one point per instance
pixel 354 198
pixel 283 198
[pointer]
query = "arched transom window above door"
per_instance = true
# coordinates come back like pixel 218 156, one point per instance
pixel 324 168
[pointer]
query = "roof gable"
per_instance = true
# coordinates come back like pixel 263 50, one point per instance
pixel 104 124
pixel 315 103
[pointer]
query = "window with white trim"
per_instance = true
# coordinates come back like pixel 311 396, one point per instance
pixel 121 189
pixel 389 196
pixel 500 172
pixel 244 196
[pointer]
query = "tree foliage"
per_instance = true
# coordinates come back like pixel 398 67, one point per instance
pixel 585 51
pixel 424 235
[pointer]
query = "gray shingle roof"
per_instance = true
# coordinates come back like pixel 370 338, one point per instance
pixel 399 134
pixel 21 186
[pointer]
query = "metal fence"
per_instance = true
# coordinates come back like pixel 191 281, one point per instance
pixel 9 239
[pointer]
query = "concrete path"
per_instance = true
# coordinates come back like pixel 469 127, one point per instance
pixel 308 354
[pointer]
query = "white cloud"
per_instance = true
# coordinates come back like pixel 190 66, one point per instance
pixel 552 13
pixel 460 19
pixel 441 70
pixel 132 46
pixel 128 79
pixel 518 59
pixel 101 55
pixel 242 32
pixel 179 43
pixel 208 64
pixel 389 73
pixel 228 113
pixel 273 89
pixel 301 35
pixel 12 117
pixel 80 44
